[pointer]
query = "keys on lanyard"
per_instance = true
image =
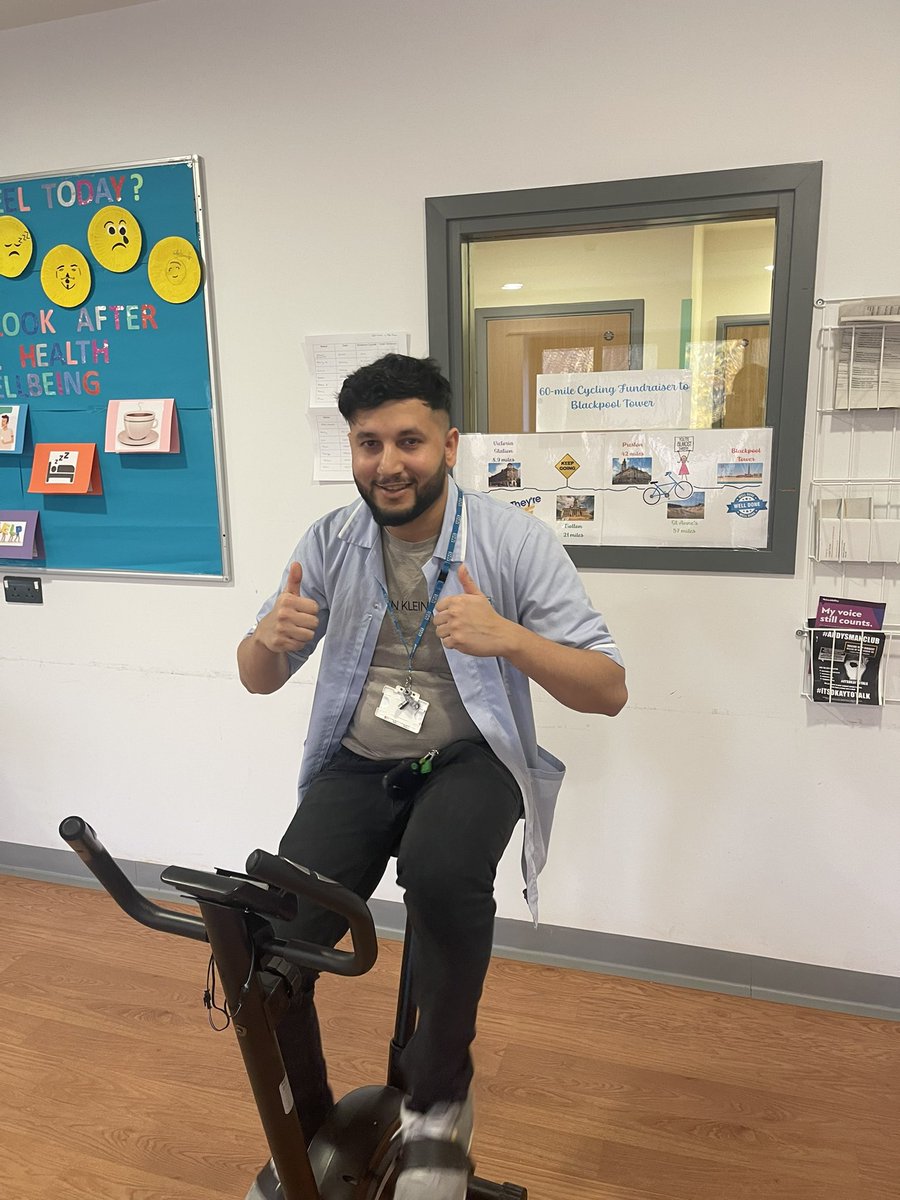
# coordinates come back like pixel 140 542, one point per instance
pixel 405 779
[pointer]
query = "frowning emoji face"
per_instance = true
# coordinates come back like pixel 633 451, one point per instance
pixel 65 276
pixel 15 247
pixel 115 239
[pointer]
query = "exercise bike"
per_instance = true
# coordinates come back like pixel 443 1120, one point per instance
pixel 354 1154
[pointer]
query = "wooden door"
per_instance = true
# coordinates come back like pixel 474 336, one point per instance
pixel 745 402
pixel 516 348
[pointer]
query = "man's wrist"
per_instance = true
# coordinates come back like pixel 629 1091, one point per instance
pixel 259 636
pixel 515 640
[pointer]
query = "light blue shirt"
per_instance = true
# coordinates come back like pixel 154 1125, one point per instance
pixel 517 561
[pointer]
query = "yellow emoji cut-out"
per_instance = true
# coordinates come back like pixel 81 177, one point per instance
pixel 115 238
pixel 65 276
pixel 16 247
pixel 174 269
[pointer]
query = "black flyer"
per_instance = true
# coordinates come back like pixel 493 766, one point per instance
pixel 845 666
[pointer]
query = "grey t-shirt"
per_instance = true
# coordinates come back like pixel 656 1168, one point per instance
pixel 445 720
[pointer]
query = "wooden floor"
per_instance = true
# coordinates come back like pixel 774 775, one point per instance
pixel 588 1087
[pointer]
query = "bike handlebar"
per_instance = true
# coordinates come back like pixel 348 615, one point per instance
pixel 279 872
pixel 84 841
pixel 301 881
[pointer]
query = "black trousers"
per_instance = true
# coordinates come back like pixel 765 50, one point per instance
pixel 448 840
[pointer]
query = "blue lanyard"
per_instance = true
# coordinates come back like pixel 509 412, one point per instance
pixel 435 595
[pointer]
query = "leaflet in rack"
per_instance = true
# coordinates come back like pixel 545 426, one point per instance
pixel 647 487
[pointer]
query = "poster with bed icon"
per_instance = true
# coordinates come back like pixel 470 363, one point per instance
pixel 66 468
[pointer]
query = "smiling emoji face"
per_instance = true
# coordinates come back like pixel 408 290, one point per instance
pixel 173 269
pixel 15 247
pixel 65 276
pixel 115 238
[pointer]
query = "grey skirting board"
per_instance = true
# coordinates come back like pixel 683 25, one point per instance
pixel 773 979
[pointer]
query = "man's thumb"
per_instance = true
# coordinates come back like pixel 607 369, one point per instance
pixel 295 575
pixel 470 587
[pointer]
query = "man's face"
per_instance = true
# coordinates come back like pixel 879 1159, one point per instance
pixel 401 453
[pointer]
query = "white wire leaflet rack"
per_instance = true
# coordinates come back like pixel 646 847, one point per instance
pixel 854 526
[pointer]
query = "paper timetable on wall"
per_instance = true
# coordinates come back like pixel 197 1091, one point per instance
pixel 660 487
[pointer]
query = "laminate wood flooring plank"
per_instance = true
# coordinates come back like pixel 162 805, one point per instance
pixel 556 1162
pixel 36 1168
pixel 589 1087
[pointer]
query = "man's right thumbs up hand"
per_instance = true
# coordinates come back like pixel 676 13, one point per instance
pixel 293 619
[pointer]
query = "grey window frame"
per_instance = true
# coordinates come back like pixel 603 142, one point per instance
pixel 790 191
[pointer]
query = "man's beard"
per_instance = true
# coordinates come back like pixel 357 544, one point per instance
pixel 425 495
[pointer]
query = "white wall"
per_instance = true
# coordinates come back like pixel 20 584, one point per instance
pixel 720 808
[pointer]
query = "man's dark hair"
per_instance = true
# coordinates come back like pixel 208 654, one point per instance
pixel 394 377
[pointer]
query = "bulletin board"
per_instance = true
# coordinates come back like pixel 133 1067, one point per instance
pixel 112 313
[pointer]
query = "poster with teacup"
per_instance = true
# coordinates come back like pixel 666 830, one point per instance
pixel 20 534
pixel 141 427
pixel 66 468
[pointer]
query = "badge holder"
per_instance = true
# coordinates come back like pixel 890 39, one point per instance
pixel 402 706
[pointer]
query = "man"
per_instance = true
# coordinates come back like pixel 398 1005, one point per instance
pixel 434 609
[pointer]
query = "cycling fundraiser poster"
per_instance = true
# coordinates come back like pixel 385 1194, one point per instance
pixel 659 487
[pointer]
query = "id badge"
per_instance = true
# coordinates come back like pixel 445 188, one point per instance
pixel 401 707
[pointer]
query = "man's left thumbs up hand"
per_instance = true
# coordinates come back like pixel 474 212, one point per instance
pixel 469 623
pixel 470 587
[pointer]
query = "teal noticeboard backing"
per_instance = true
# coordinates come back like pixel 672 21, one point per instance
pixel 158 513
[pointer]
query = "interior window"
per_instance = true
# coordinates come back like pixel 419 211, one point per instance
pixel 560 304
pixel 709 276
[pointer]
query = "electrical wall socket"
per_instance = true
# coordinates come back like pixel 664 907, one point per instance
pixel 23 589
